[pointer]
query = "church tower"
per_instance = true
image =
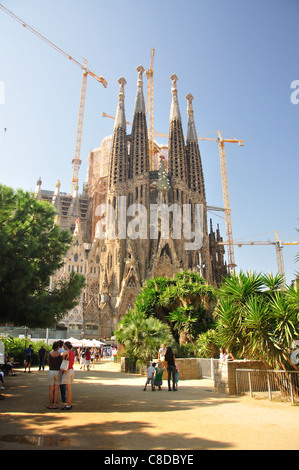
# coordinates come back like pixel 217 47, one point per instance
pixel 113 246
pixel 177 167
pixel 194 165
pixel 139 152
pixel 129 238
pixel 118 166
pixel 201 259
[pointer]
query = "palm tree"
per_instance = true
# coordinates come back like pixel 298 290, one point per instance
pixel 142 336
pixel 258 319
pixel 183 319
pixel 185 302
pixel 207 344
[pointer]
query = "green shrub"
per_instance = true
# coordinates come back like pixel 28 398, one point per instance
pixel 16 347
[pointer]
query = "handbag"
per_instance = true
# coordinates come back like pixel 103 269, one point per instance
pixel 64 365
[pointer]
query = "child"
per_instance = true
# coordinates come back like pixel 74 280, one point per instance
pixel 159 374
pixel 161 356
pixel 150 377
pixel 176 377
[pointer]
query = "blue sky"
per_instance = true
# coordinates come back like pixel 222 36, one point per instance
pixel 237 58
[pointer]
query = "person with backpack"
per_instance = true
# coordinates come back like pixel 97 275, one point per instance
pixel 28 358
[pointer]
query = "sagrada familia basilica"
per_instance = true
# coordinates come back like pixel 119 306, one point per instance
pixel 135 220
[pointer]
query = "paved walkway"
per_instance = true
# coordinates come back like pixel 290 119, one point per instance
pixel 112 412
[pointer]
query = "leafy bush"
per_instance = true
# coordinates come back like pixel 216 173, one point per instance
pixel 207 344
pixel 184 350
pixel 16 347
pixel 141 337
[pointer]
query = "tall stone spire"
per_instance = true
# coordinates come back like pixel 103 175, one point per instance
pixel 191 131
pixel 56 199
pixel 38 190
pixel 118 166
pixel 139 101
pixel 139 152
pixel 176 154
pixel 175 109
pixel 194 165
pixel 120 120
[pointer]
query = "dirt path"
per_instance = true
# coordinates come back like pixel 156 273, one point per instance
pixel 112 412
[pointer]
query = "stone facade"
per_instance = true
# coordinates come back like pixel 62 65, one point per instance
pixel 118 257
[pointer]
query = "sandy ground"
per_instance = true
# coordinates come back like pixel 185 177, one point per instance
pixel 112 412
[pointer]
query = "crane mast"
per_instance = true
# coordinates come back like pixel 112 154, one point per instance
pixel 278 248
pixel 76 160
pixel 279 255
pixel 225 193
pixel 226 203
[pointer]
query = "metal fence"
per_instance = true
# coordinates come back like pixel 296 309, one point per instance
pixel 206 367
pixel 272 383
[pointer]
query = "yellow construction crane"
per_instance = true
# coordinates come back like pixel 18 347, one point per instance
pixel 278 247
pixel 150 109
pixel 225 192
pixel 76 161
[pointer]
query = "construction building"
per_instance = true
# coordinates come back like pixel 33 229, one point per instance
pixel 122 177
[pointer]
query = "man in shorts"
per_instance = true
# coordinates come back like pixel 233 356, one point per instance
pixel 28 357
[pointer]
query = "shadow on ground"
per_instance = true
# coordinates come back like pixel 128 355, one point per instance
pixel 110 411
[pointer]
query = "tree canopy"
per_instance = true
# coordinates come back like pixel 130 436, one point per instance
pixel 257 318
pixel 185 302
pixel 142 336
pixel 31 250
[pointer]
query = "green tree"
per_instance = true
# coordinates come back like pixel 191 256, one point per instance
pixel 31 250
pixel 142 336
pixel 207 344
pixel 257 318
pixel 185 302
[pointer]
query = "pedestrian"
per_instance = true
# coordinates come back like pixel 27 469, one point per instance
pixel 92 357
pixel 42 355
pixel 96 356
pixel 28 357
pixel 150 377
pixel 87 358
pixel 2 379
pixel 54 375
pixel 229 356
pixel 222 355
pixel 82 359
pixel 159 375
pixel 77 358
pixel 7 368
pixel 176 377
pixel 68 375
pixel 161 355
pixel 62 386
pixel 114 354
pixel 170 359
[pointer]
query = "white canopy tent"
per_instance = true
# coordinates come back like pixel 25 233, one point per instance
pixel 88 343
pixel 74 342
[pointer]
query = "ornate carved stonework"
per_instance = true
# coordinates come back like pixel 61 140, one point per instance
pixel 115 267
